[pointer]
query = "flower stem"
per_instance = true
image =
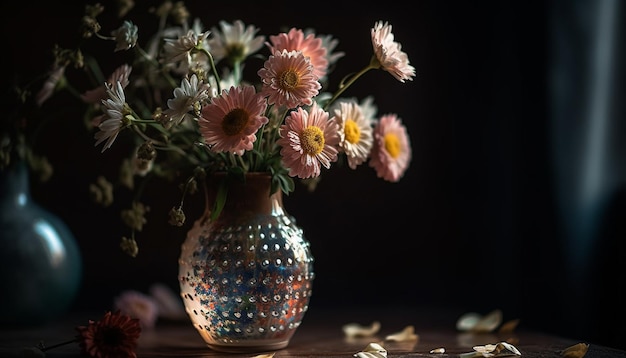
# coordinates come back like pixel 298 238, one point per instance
pixel 44 348
pixel 374 64
pixel 213 69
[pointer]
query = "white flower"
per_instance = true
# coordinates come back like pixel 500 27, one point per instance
pixel 355 132
pixel 125 36
pixel 176 50
pixel 187 98
pixel 114 109
pixel 235 41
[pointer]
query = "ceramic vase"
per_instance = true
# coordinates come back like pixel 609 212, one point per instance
pixel 41 266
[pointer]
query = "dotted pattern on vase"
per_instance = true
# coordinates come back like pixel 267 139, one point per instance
pixel 247 282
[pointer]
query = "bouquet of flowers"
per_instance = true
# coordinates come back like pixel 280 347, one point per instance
pixel 189 106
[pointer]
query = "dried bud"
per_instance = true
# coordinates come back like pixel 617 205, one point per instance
pixel 179 13
pixel 89 26
pixel 123 7
pixel 199 173
pixel 79 59
pixel 146 151
pixel 163 9
pixel 142 166
pixel 177 217
pixel 102 191
pixel 126 174
pixel 135 216
pixel 63 56
pixel 159 116
pixel 94 10
pixel 41 166
pixel 129 246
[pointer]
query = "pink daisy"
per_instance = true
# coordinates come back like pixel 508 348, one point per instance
pixel 391 152
pixel 288 79
pixel 97 94
pixel 310 46
pixel 389 53
pixel 55 75
pixel 229 122
pixel 308 140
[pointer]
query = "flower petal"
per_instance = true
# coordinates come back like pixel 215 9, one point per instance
pixel 357 330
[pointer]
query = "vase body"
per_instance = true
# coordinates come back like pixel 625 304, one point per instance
pixel 246 277
pixel 41 262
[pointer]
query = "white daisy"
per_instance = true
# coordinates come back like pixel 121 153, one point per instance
pixel 187 99
pixel 355 132
pixel 125 36
pixel 235 41
pixel 177 50
pixel 114 121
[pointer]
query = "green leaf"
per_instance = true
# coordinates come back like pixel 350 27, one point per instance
pixel 220 199
pixel 281 180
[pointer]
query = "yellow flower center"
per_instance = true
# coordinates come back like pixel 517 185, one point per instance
pixel 289 79
pixel 392 145
pixel 235 121
pixel 312 140
pixel 352 131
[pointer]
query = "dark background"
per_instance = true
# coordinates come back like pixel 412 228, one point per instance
pixel 486 217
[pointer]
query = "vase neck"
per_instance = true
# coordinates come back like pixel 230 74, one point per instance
pixel 250 196
pixel 15 185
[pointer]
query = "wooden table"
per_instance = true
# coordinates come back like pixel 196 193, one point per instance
pixel 320 335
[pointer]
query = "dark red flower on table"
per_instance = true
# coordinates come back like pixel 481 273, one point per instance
pixel 115 335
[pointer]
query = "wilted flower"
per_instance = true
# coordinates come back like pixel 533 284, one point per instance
pixel 114 335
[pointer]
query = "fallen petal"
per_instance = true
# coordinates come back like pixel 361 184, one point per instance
pixel 467 321
pixel 373 350
pixel 576 351
pixel 407 334
pixel 502 349
pixel 268 355
pixel 356 330
pixel 488 323
pixel 487 348
pixel 511 348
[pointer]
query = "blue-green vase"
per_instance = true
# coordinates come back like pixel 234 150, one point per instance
pixel 41 268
